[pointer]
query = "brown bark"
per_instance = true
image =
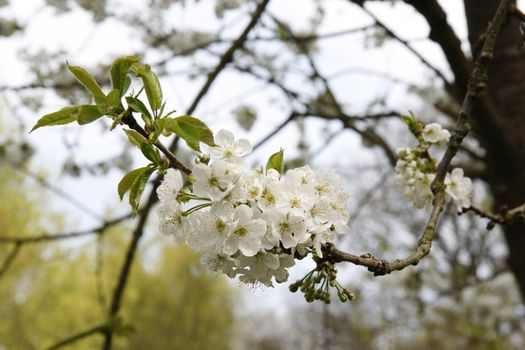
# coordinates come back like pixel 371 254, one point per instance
pixel 506 91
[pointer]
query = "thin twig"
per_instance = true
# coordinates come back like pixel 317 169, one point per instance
pixel 62 236
pixel 368 134
pixel 505 217
pixel 405 43
pixel 275 131
pixel 228 55
pixel 9 259
pixel 130 121
pixel 49 186
pixel 70 340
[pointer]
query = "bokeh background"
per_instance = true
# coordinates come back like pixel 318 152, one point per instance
pixel 326 81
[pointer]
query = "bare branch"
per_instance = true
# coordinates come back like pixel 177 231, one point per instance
pixel 61 236
pixel 292 116
pixel 443 34
pixel 49 186
pixel 228 55
pixel 103 329
pixel 315 37
pixel 9 259
pixel 506 216
pixel 405 43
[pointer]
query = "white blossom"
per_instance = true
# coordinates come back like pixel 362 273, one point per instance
pixel 433 133
pixel 248 223
pixel 247 233
pixel 170 186
pixel 214 181
pixel 230 149
pixel 416 172
pixel 290 227
pixel 171 221
pixel 459 187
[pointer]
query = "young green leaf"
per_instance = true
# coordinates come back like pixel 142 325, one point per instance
pixel 89 82
pixel 151 153
pixel 156 128
pixel 151 84
pixel 64 116
pixel 137 106
pixel 413 125
pixel 185 131
pixel 138 187
pixel 135 137
pixel 127 181
pixel 87 114
pixel 113 98
pixel 119 73
pixel 276 162
pixel 205 134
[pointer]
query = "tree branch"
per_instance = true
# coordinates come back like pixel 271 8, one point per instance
pixel 130 121
pixel 55 237
pixel 477 84
pixel 47 185
pixel 403 42
pixel 9 259
pixel 506 216
pixel 228 55
pixel 443 34
pixel 70 340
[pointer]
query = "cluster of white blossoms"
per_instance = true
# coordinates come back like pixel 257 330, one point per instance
pixel 249 223
pixel 416 171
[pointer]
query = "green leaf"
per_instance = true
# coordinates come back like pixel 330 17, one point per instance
pixel 113 98
pixel 413 124
pixel 138 187
pixel 127 181
pixel 205 134
pixel 151 84
pixel 138 106
pixel 157 128
pixel 276 162
pixel 185 131
pixel 64 116
pixel 151 153
pixel 127 83
pixel 87 114
pixel 87 80
pixel 119 73
pixel 135 137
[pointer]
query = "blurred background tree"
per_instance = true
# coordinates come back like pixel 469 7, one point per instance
pixel 327 80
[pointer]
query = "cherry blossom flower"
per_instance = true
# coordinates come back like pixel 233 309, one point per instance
pixel 433 133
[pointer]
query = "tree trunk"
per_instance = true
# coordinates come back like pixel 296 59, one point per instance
pixel 506 90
